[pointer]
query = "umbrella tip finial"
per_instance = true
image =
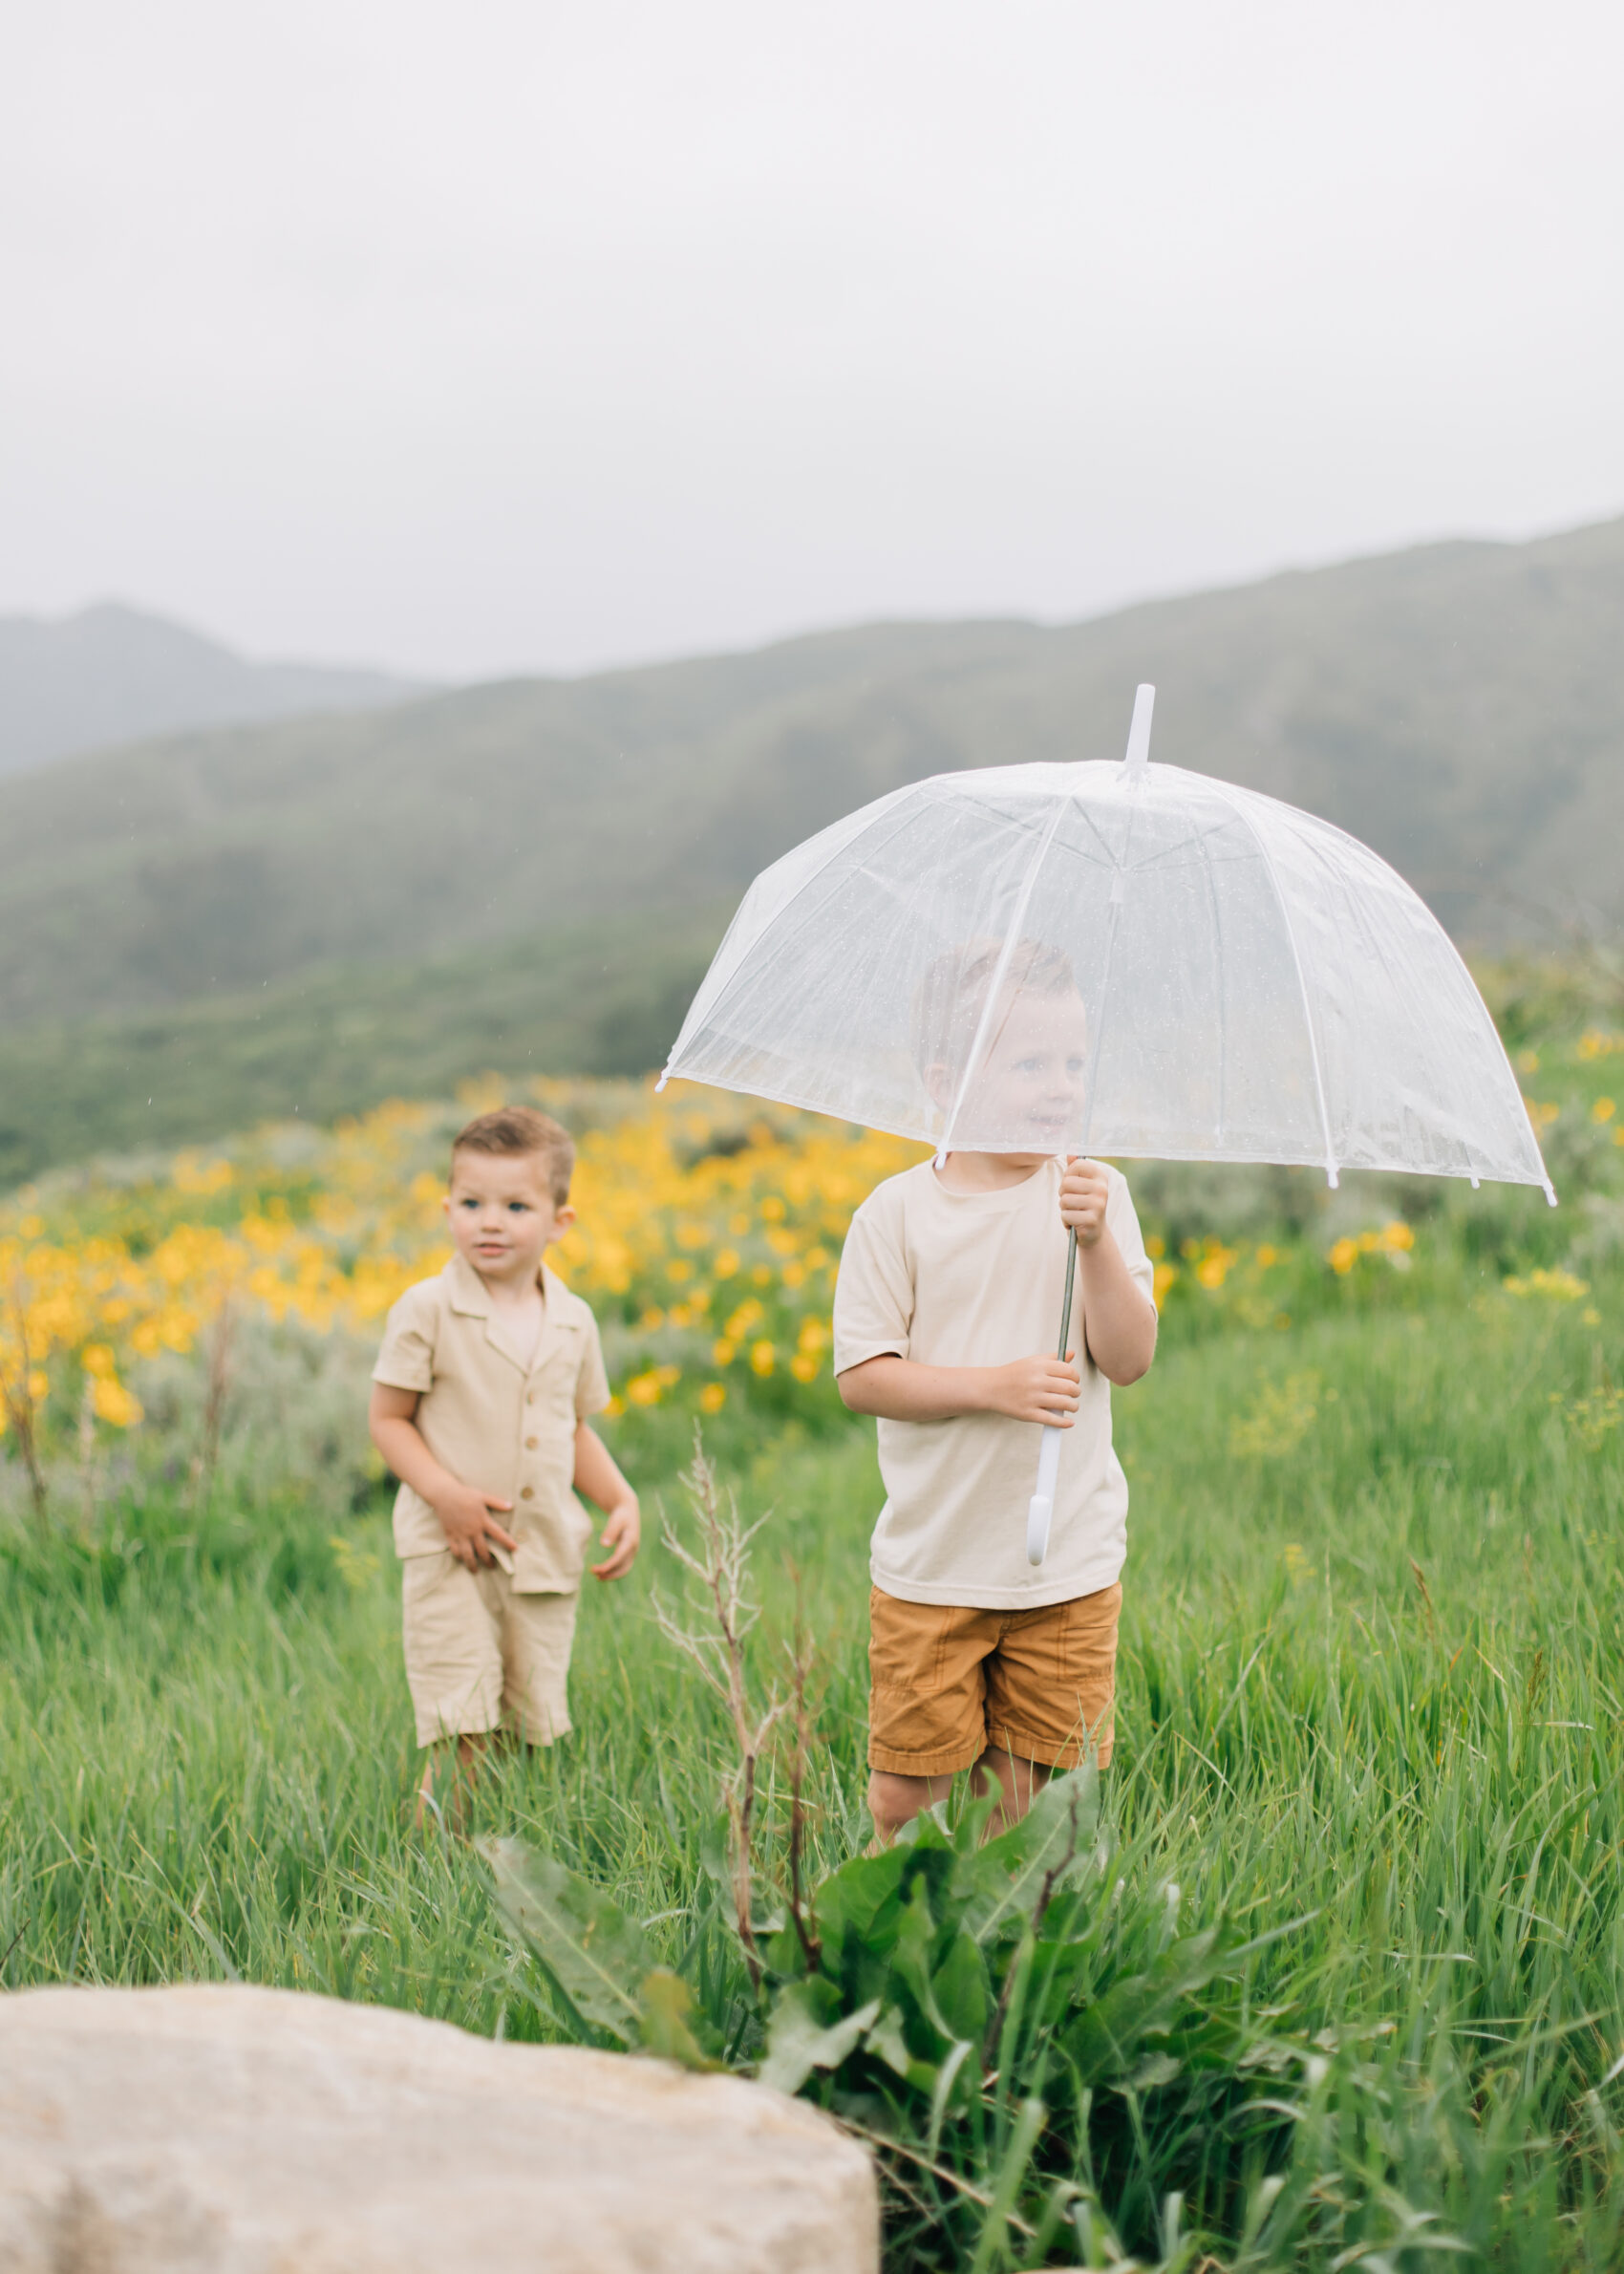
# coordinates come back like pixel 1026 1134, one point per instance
pixel 1138 757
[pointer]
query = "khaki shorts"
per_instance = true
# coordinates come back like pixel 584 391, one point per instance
pixel 479 1656
pixel 946 1682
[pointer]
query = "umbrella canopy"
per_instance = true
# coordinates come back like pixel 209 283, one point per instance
pixel 1124 960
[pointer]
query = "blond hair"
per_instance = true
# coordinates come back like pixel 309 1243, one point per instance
pixel 513 1131
pixel 951 999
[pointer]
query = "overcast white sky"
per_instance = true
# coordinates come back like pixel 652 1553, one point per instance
pixel 522 334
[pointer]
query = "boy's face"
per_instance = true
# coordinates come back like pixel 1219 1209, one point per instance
pixel 502 1215
pixel 1029 1086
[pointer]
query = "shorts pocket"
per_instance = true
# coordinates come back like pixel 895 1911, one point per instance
pixel 908 1643
pixel 926 1714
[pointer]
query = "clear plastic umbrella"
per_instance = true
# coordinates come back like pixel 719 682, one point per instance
pixel 1223 977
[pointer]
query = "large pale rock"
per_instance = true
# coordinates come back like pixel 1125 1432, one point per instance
pixel 233 2131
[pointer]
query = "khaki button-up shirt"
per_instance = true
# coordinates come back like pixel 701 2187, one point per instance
pixel 500 1426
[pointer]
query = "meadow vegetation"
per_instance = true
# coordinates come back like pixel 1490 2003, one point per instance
pixel 1330 1971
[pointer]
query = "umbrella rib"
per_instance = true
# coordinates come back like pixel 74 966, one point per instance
pixel 1117 887
pixel 1333 1175
pixel 1218 946
pixel 999 968
pixel 1198 837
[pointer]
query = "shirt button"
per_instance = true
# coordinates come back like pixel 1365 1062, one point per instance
pixel 531 1443
pixel 529 1397
pixel 528 1494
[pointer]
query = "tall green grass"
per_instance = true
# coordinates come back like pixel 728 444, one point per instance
pixel 1371 1694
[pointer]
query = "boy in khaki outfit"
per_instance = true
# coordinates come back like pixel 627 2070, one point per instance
pixel 951 1274
pixel 480 1403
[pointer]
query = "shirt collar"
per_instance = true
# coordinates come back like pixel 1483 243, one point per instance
pixel 470 1294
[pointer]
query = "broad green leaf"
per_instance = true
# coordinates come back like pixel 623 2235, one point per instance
pixel 858 1911
pixel 1056 1833
pixel 804 2033
pixel 782 1951
pixel 667 2028
pixel 911 1966
pixel 596 1957
pixel 889 2040
pixel 948 1985
pixel 960 1987
pixel 854 1895
pixel 1105 2041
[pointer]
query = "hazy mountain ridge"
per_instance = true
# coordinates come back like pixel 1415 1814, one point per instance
pixel 1460 707
pixel 111 675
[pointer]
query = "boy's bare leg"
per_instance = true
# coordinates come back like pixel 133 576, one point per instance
pixel 894 1800
pixel 460 1759
pixel 1016 1783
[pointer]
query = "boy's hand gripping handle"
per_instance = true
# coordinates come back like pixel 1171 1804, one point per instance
pixel 1040 1509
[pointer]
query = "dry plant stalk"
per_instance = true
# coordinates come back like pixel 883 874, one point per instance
pixel 17 1394
pixel 718 1649
pixel 805 1925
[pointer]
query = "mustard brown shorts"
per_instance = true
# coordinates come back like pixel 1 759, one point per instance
pixel 479 1654
pixel 946 1680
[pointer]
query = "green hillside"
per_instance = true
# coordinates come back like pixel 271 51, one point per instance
pixel 597 999
pixel 234 920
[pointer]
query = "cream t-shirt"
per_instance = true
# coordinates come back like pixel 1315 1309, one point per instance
pixel 974 1279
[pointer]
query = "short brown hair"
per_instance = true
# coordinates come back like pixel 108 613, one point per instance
pixel 521 1129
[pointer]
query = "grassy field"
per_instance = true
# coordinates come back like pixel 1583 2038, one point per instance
pixel 1372 1689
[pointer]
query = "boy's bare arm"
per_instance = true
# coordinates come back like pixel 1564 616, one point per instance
pixel 464 1514
pixel 1119 1318
pixel 1028 1389
pixel 597 1476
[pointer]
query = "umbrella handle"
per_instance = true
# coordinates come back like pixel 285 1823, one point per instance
pixel 1040 1509
pixel 1041 1506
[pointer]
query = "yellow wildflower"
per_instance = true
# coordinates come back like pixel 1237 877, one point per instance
pixel 111 1402
pixel 1560 1286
